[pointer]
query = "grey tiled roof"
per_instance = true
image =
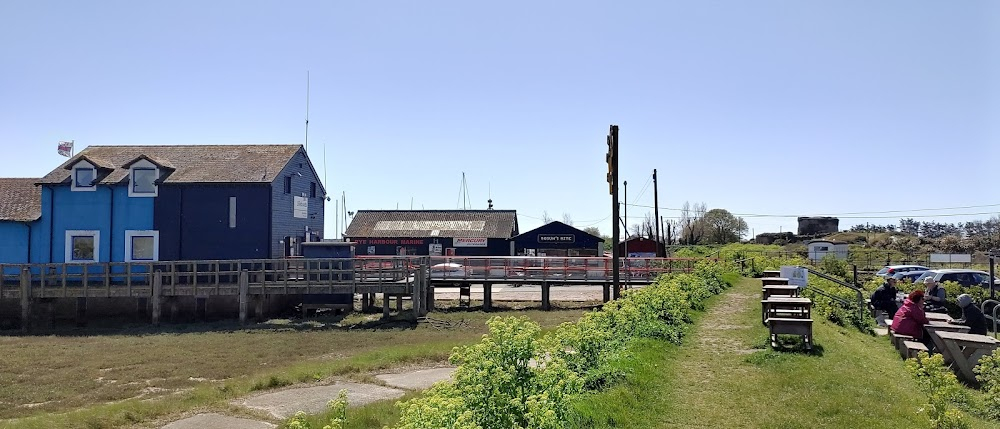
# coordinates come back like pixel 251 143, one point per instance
pixel 433 223
pixel 20 200
pixel 187 163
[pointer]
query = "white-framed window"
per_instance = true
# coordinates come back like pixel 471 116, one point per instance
pixel 84 176
pixel 141 246
pixel 142 179
pixel 83 245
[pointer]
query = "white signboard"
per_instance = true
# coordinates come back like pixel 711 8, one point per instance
pixel 951 258
pixel 797 276
pixel 300 207
pixel 469 242
pixel 436 249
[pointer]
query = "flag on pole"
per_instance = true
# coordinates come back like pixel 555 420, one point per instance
pixel 66 148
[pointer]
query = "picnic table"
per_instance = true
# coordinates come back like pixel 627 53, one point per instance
pixel 779 290
pixel 782 306
pixel 773 281
pixel 937 326
pixel 965 350
pixel 937 317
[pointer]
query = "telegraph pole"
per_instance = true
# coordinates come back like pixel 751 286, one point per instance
pixel 656 213
pixel 612 158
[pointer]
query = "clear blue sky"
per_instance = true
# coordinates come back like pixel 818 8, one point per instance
pixel 763 107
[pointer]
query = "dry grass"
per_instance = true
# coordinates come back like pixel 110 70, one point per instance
pixel 104 374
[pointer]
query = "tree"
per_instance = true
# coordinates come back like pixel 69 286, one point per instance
pixel 909 226
pixel 567 219
pixel 546 219
pixel 722 227
pixel 692 229
pixel 593 230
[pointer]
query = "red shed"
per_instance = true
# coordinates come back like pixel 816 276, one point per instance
pixel 641 247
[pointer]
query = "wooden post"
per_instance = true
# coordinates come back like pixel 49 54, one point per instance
pixel 25 299
pixel 141 305
pixel 200 307
pixel 430 297
pixel 385 305
pixel 418 293
pixel 399 303
pixel 487 296
pixel 157 291
pixel 81 311
pixel 259 311
pixel 244 285
pixel 546 305
pixel 172 301
pixel 607 292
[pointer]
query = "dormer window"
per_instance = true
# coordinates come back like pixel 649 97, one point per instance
pixel 84 176
pixel 143 180
pixel 143 176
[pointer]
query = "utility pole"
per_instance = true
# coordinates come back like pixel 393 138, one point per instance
pixel 656 212
pixel 612 158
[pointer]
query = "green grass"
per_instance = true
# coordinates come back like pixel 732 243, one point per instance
pixel 121 377
pixel 725 376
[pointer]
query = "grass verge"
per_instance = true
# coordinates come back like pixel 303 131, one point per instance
pixel 724 375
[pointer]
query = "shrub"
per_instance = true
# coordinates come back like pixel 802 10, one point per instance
pixel 942 389
pixel 338 418
pixel 988 374
pixel 515 378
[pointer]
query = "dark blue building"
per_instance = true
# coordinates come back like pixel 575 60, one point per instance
pixel 433 232
pixel 153 203
pixel 557 239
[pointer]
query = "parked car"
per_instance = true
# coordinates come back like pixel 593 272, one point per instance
pixel 963 277
pixel 908 276
pixel 893 269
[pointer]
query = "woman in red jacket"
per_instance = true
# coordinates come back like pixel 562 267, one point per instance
pixel 910 318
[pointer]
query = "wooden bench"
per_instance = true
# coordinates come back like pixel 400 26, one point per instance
pixel 897 342
pixel 787 326
pixel 767 281
pixel 910 349
pixel 771 273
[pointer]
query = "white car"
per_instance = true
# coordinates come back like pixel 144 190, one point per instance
pixel 448 269
pixel 889 270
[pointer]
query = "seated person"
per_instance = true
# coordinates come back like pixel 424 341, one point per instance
pixel 934 296
pixel 971 316
pixel 910 318
pixel 884 300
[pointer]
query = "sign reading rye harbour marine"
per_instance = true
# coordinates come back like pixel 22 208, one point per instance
pixel 557 238
pixel 300 207
pixel 797 276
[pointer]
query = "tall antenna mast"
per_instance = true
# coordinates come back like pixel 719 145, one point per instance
pixel 307 110
pixel 463 194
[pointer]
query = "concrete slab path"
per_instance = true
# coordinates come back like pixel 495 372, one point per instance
pixel 313 400
pixel 217 421
pixel 419 379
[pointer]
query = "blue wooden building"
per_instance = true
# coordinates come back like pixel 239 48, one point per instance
pixel 557 239
pixel 153 203
pixel 20 209
pixel 433 232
